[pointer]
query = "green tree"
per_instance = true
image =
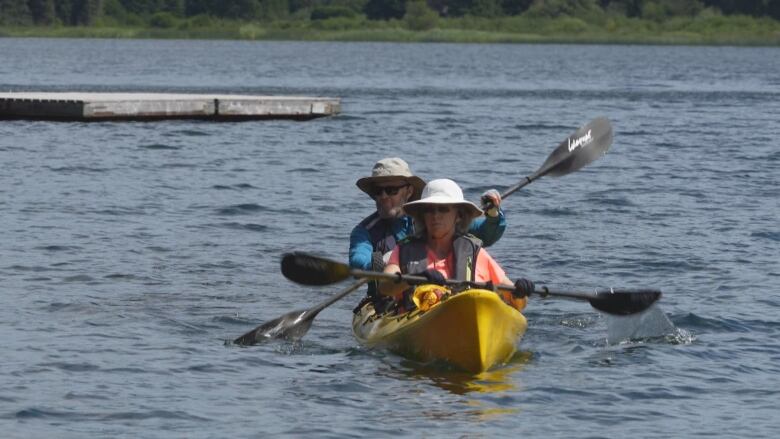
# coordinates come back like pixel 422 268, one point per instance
pixel 745 7
pixel 327 12
pixel 419 16
pixel 629 8
pixel 163 20
pixel 440 6
pixel 660 10
pixel 175 7
pixel 296 5
pixel 198 7
pixel 557 8
pixel 42 11
pixel 63 9
pixel 385 9
pixel 486 8
pixel 457 8
pixel 478 8
pixel 142 7
pixel 773 9
pixel 355 5
pixel 115 10
pixel 85 12
pixel 147 7
pixel 515 7
pixel 683 7
pixel 238 9
pixel 15 12
pixel 274 9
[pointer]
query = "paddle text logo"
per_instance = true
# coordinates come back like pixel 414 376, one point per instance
pixel 580 141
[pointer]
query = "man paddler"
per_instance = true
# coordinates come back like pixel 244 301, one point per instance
pixel 391 185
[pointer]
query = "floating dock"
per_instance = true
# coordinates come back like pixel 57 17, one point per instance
pixel 158 106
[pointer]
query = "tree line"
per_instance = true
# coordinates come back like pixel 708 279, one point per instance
pixel 143 12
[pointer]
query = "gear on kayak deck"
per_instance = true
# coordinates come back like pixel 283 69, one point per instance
pixel 472 330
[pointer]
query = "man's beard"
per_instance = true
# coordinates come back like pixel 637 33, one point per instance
pixel 394 212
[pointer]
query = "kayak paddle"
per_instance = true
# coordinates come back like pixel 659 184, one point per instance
pixel 307 269
pixel 585 145
pixel 293 325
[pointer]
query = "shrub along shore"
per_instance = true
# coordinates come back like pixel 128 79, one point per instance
pixel 699 30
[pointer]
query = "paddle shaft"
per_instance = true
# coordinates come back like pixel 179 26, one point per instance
pixel 314 311
pixel 512 189
pixel 541 291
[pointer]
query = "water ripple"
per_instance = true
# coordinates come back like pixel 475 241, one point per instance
pixel 134 250
pixel 159 146
pixel 239 186
pixel 242 209
pixel 251 227
pixel 119 416
pixel 772 236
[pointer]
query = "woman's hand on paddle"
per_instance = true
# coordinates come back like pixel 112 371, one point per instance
pixel 394 287
pixel 434 277
pixel 523 288
pixel 491 201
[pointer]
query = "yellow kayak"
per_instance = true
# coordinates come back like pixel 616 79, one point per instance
pixel 473 330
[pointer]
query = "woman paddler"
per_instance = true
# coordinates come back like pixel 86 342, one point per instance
pixel 441 249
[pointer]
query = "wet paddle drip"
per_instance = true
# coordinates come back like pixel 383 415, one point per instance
pixel 650 324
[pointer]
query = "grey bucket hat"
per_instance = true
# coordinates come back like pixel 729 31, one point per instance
pixel 391 169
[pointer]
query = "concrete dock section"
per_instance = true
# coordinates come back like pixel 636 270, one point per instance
pixel 156 106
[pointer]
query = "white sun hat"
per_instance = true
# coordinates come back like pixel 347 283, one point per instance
pixel 442 191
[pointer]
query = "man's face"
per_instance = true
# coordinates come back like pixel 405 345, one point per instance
pixel 390 196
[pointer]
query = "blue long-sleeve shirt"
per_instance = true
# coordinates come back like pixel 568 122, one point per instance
pixel 375 234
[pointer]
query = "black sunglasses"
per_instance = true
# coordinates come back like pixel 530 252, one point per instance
pixel 389 190
pixel 440 208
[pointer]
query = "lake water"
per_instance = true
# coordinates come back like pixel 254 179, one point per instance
pixel 131 251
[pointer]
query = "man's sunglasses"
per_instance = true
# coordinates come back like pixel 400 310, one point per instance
pixel 431 209
pixel 377 191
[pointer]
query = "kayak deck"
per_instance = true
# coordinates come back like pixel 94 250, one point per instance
pixel 473 330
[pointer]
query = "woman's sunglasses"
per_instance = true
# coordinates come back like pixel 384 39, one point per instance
pixel 377 191
pixel 439 208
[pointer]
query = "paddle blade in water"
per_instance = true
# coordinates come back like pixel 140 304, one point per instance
pixel 624 302
pixel 651 323
pixel 587 144
pixel 291 326
pixel 307 269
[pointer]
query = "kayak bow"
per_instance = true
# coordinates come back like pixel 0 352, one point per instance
pixel 473 330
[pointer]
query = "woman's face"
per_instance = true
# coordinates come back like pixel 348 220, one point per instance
pixel 440 220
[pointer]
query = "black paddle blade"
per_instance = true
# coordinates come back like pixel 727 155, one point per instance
pixel 307 269
pixel 587 144
pixel 624 302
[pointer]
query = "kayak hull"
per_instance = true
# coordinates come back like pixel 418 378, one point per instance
pixel 473 331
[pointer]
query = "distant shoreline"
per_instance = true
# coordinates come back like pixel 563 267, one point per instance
pixel 740 31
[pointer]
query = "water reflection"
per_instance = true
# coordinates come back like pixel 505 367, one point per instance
pixel 462 383
pixel 472 388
